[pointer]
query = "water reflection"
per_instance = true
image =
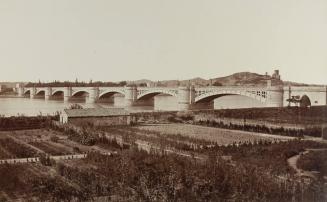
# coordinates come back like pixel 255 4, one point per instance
pixel 32 107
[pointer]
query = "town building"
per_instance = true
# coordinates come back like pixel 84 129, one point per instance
pixel 96 116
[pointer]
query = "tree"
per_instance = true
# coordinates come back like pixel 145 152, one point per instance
pixel 217 83
pixel 142 85
pixel 122 83
pixel 294 99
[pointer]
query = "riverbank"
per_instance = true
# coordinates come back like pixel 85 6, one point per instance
pixel 9 96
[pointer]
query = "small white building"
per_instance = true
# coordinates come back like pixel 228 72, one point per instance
pixel 96 116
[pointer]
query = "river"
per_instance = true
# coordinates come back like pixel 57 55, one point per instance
pixel 32 107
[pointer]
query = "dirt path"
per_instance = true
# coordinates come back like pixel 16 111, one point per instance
pixel 292 161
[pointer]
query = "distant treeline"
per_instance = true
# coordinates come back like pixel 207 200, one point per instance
pixel 75 84
pixel 289 115
pixel 313 131
pixel 81 84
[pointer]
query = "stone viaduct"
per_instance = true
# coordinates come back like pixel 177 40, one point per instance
pixel 188 97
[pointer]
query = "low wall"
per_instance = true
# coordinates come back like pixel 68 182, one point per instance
pixel 37 159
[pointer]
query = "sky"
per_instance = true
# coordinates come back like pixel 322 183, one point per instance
pixel 112 40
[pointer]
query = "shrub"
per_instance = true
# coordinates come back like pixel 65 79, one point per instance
pixel 54 138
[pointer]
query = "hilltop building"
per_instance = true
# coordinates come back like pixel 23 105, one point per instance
pixel 276 75
pixel 96 116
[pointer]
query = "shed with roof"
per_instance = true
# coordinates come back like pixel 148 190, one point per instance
pixel 96 116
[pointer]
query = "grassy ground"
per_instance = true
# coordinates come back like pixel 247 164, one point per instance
pixel 220 136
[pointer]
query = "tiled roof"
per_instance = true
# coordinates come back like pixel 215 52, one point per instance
pixel 96 112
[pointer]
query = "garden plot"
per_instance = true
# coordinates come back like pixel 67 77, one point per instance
pixel 220 136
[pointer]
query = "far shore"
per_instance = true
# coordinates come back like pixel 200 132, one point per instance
pixel 10 96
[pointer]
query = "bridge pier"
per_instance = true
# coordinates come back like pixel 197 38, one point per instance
pixel 130 95
pixel 20 91
pixel 32 93
pixel 67 94
pixel 93 95
pixel 47 93
pixel 275 96
pixel 186 97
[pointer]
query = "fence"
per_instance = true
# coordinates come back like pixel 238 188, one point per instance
pixel 37 159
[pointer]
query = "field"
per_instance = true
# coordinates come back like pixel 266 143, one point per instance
pixel 204 164
pixel 30 143
pixel 11 149
pixel 220 136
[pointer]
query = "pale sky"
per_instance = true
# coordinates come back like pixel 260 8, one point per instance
pixel 112 40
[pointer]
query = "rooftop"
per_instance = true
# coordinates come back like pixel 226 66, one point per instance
pixel 96 112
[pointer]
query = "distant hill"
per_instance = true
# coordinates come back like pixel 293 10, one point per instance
pixel 246 79
pixel 237 79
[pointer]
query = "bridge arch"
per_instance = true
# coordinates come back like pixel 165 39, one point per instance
pixel 260 96
pixel 40 93
pixel 57 92
pixel 109 97
pixel 110 93
pixel 27 92
pixel 151 93
pixel 80 93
